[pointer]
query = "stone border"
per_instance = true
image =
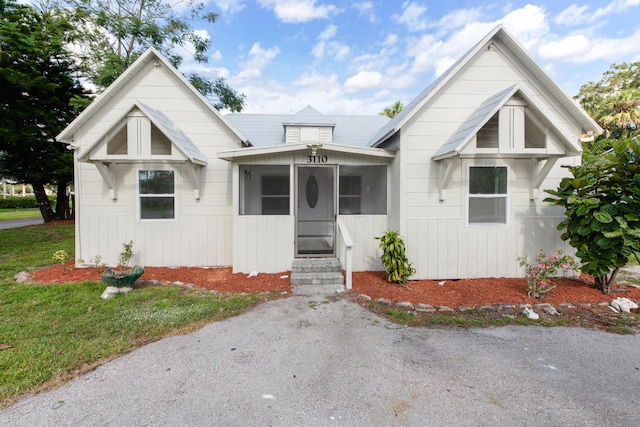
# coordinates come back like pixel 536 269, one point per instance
pixel 504 309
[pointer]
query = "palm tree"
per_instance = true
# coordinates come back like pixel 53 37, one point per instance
pixel 393 110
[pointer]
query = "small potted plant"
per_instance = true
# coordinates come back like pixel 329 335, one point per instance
pixel 123 275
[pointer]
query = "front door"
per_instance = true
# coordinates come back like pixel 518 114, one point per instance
pixel 315 211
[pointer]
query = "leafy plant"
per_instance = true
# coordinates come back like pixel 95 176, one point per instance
pixel 543 270
pixel 602 205
pixel 60 256
pixel 125 256
pixel 394 257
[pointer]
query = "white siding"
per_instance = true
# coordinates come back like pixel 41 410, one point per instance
pixel 201 233
pixel 439 241
pixel 363 229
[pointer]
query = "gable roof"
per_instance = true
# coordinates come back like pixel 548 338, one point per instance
pixel 474 123
pixel 501 34
pixel 165 125
pixel 116 87
pixel 483 114
pixel 309 116
pixel 263 130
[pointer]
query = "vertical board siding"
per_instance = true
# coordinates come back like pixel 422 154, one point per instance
pixel 263 243
pixel 445 248
pixel 363 230
pixel 201 243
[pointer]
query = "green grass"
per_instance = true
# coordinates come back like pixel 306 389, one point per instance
pixel 11 214
pixel 27 248
pixel 58 331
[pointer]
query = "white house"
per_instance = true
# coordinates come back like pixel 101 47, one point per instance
pixel 460 173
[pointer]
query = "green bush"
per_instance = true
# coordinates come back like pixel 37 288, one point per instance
pixel 18 202
pixel 394 257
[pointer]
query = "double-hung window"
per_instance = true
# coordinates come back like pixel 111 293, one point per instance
pixel 156 189
pixel 487 195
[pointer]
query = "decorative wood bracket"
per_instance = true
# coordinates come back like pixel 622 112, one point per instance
pixel 108 172
pixel 194 174
pixel 539 172
pixel 446 172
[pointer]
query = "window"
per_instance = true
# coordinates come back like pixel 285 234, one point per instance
pixel 487 195
pixel 157 194
pixel 264 190
pixel 350 195
pixel 275 195
pixel 362 190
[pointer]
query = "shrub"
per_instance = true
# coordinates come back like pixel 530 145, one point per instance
pixel 541 273
pixel 394 258
pixel 19 202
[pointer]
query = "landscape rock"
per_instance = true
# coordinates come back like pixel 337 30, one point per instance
pixel 530 313
pixel 623 304
pixel 383 301
pixel 112 291
pixel 22 277
pixel 425 308
pixel 405 304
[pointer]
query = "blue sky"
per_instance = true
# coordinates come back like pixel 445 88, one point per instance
pixel 357 57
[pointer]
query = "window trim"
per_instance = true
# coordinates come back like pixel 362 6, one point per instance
pixel 139 195
pixel 506 196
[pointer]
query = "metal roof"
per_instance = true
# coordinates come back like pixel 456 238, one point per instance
pixel 263 130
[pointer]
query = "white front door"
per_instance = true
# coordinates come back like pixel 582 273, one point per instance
pixel 315 207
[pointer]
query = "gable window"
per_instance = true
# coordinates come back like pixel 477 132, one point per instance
pixel 156 189
pixel 362 190
pixel 487 195
pixel 264 190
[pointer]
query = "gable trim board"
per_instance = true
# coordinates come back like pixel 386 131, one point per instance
pixel 254 191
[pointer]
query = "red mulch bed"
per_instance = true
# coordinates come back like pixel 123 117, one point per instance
pixel 453 293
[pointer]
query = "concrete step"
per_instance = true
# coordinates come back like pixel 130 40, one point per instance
pixel 314 276
pixel 316 265
pixel 317 289
pixel 326 278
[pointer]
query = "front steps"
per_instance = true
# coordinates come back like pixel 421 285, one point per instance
pixel 316 276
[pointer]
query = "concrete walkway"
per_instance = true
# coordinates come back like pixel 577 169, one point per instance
pixel 13 223
pixel 309 361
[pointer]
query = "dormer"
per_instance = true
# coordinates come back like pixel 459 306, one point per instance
pixel 508 125
pixel 143 134
pixel 309 126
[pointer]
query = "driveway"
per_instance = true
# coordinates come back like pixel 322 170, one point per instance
pixel 313 361
pixel 13 223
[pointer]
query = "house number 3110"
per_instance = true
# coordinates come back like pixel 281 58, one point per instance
pixel 317 159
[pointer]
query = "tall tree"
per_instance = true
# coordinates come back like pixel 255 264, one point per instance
pixel 35 89
pixel 116 32
pixel 614 101
pixel 393 110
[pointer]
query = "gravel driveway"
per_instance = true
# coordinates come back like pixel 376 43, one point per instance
pixel 312 361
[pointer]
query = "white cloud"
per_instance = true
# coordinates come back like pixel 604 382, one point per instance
pixel 391 40
pixel 576 15
pixel 216 56
pixel 364 80
pixel 258 59
pixel 338 51
pixel 412 16
pixel 365 8
pixel 298 11
pixel 459 18
pixel 229 7
pixel 527 24
pixel 580 49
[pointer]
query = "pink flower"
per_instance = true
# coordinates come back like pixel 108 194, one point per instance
pixel 565 266
pixel 543 283
pixel 540 265
pixel 533 272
